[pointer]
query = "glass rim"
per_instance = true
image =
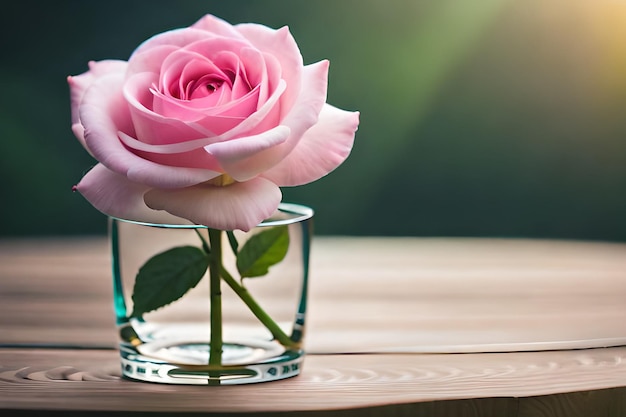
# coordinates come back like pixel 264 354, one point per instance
pixel 300 212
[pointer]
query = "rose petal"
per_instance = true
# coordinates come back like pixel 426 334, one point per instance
pixel 114 195
pixel 264 118
pixel 216 26
pixel 303 115
pixel 281 44
pixel 259 72
pixel 79 132
pixel 185 36
pixel 186 154
pixel 234 153
pixel 311 100
pixel 80 83
pixel 156 124
pixel 151 127
pixel 322 149
pixel 241 205
pixel 149 60
pixel 103 113
pixel 183 95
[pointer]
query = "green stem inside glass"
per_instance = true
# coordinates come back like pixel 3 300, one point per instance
pixel 256 309
pixel 215 266
pixel 217 272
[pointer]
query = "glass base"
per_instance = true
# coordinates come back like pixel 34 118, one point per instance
pixel 186 363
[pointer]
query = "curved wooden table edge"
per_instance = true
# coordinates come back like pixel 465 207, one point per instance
pixel 81 380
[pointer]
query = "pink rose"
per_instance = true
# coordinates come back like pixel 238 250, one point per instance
pixel 206 123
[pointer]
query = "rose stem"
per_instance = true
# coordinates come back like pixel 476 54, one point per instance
pixel 215 263
pixel 256 309
pixel 246 297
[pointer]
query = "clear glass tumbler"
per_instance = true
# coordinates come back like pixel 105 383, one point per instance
pixel 199 306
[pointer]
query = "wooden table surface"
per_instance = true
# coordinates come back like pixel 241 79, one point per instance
pixel 397 326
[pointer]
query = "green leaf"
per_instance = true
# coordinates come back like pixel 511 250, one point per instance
pixel 263 250
pixel 166 277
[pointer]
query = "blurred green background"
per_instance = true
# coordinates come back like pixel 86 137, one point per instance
pixel 478 118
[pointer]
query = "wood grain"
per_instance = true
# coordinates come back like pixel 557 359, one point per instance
pixel 397 326
pixel 366 295
pixel 455 295
pixel 90 379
